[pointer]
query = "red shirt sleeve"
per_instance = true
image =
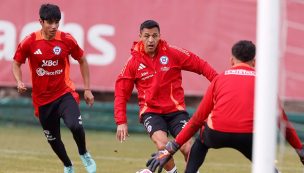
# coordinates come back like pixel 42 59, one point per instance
pixel 290 133
pixel 22 51
pixel 76 51
pixel 193 63
pixel 198 119
pixel 123 89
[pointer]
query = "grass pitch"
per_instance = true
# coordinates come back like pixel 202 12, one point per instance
pixel 24 149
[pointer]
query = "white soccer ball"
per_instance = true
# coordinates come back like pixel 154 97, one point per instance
pixel 144 171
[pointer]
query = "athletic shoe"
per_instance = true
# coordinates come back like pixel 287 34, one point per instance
pixel 69 169
pixel 88 162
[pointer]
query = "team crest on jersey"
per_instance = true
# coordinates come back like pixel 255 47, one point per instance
pixel 164 60
pixel 57 50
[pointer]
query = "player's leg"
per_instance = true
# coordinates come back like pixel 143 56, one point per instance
pixel 156 126
pixel 176 122
pixel 70 113
pixel 69 110
pixel 50 122
pixel 196 156
pixel 243 143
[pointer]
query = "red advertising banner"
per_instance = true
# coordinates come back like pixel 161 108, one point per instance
pixel 106 30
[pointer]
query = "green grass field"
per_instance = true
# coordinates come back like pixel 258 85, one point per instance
pixel 24 149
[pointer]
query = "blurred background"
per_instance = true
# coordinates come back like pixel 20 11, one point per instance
pixel 106 30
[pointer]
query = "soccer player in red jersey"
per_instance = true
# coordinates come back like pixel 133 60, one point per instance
pixel 53 93
pixel 225 115
pixel 155 69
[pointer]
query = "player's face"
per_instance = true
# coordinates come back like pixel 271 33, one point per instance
pixel 150 39
pixel 49 28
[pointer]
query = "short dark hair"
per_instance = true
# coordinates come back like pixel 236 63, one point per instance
pixel 49 12
pixel 149 24
pixel 244 50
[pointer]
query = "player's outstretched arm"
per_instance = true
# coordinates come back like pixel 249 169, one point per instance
pixel 300 152
pixel 160 158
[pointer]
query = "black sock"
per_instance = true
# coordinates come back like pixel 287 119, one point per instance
pixel 59 149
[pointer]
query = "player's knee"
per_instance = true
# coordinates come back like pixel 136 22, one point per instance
pixel 160 139
pixel 75 127
pixel 49 135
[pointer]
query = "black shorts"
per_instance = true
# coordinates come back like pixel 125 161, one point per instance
pixel 239 141
pixel 171 123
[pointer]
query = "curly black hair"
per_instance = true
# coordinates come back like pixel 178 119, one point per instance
pixel 244 50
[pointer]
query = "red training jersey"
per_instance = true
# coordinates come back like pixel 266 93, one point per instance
pixel 228 106
pixel 158 80
pixel 49 65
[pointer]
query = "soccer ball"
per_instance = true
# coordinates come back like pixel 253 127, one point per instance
pixel 144 171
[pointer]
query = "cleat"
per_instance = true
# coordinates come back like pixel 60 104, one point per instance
pixel 88 162
pixel 69 169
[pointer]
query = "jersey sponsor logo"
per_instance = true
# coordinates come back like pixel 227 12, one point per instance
pixel 165 68
pixel 141 66
pixel 49 63
pixel 147 77
pixel 144 74
pixel 57 50
pixel 38 52
pixel 43 72
pixel 240 72
pixel 164 60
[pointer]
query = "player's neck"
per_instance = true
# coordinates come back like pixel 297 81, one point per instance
pixel 47 36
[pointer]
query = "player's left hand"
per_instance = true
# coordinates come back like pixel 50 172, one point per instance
pixel 159 159
pixel 88 97
pixel 21 87
pixel 301 154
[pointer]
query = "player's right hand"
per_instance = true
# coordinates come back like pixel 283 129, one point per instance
pixel 122 132
pixel 21 87
pixel 301 154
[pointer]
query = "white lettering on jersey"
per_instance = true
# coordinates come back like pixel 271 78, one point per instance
pixel 43 72
pixel 49 63
pixel 240 72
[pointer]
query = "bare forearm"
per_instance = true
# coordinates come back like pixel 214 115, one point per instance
pixel 84 68
pixel 17 71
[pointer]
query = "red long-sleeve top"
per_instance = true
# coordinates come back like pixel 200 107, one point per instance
pixel 158 79
pixel 228 107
